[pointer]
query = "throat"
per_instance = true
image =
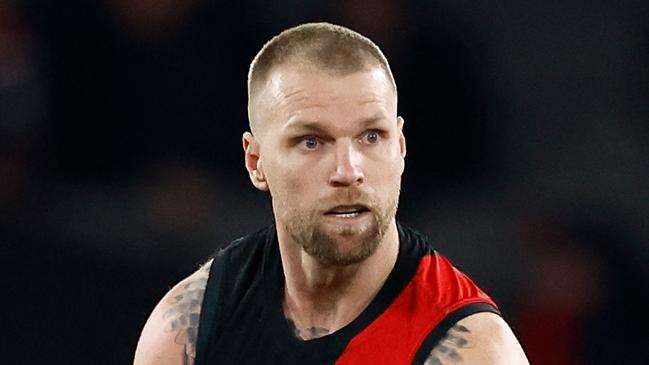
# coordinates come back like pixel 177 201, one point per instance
pixel 317 317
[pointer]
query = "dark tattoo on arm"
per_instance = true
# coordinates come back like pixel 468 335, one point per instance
pixel 307 333
pixel 185 311
pixel 448 346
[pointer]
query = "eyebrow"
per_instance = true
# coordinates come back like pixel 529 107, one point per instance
pixel 316 127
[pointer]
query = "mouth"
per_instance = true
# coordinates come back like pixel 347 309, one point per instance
pixel 347 211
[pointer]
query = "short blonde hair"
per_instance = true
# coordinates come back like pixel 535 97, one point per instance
pixel 330 47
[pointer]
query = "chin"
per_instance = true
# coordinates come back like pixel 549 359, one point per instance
pixel 348 247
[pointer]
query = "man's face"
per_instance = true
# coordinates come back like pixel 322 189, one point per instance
pixel 330 150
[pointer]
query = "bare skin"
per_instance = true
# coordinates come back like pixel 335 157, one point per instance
pixel 169 336
pixel 482 338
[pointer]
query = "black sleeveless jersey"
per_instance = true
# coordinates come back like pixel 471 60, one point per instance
pixel 242 321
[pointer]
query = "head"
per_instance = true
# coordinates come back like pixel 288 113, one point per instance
pixel 326 141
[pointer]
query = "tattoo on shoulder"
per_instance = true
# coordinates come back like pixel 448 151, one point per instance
pixel 446 351
pixel 307 334
pixel 184 314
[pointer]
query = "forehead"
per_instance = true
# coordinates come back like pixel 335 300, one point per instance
pixel 300 92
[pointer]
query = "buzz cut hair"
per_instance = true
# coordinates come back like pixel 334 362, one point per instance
pixel 328 47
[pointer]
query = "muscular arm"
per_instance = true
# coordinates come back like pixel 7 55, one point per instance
pixel 169 336
pixel 479 339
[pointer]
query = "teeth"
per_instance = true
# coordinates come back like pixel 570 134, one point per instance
pixel 347 215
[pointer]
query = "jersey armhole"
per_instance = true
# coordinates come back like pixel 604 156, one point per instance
pixel 442 328
pixel 210 311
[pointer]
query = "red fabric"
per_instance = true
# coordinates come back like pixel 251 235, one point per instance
pixel 436 290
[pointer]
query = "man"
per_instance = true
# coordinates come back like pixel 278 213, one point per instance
pixel 335 279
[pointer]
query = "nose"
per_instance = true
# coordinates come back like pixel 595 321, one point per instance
pixel 347 170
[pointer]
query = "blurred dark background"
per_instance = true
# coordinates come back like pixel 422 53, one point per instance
pixel 121 168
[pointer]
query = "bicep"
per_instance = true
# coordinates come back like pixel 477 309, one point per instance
pixel 169 336
pixel 479 339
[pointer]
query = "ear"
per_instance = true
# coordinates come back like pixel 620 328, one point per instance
pixel 253 161
pixel 402 137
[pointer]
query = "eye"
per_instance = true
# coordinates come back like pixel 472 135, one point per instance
pixel 372 136
pixel 310 142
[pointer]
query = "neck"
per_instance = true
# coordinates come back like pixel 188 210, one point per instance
pixel 321 299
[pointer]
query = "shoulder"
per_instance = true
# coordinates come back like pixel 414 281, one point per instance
pixel 169 335
pixel 481 339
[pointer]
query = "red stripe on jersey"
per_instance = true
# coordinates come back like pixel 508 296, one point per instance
pixel 436 290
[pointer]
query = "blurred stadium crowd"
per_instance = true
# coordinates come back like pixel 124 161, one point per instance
pixel 121 168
